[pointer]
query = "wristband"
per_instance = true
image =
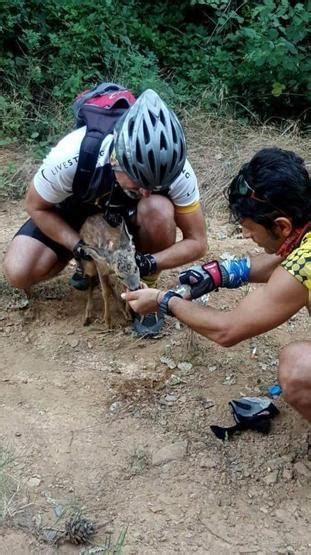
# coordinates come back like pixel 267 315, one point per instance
pixel 235 272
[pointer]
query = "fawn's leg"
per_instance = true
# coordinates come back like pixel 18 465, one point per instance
pixel 90 270
pixel 105 289
pixel 89 305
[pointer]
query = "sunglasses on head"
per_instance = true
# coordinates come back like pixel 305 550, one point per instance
pixel 245 190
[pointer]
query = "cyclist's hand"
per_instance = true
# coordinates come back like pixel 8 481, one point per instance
pixel 79 251
pixel 202 279
pixel 146 263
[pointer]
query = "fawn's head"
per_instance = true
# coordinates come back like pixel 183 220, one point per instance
pixel 122 260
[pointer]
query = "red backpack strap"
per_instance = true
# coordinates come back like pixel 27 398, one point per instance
pixel 98 109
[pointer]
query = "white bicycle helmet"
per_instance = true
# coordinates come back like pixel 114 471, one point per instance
pixel 150 143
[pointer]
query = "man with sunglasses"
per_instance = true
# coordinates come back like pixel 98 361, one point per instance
pixel 271 199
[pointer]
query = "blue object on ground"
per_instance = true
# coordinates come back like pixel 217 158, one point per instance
pixel 274 390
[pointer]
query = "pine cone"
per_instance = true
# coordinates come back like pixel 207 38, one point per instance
pixel 79 530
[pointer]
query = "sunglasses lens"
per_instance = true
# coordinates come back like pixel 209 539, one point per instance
pixel 242 187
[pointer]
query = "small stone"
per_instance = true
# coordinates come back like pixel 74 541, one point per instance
pixel 184 366
pixel 281 515
pixel 34 482
pixel 168 362
pixel 212 368
pixel 174 452
pixel 114 407
pixel 168 399
pixel 58 510
pixel 175 380
pixel 287 473
pixel 278 462
pixel 229 380
pixel 208 403
pixel 207 463
pixel 73 343
pixel 18 434
pixel 301 470
pixel 271 478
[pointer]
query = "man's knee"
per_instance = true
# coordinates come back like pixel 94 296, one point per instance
pixel 14 273
pixel 295 370
pixel 155 211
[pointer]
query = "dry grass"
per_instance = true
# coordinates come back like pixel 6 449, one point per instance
pixel 9 486
pixel 217 147
pixel 16 171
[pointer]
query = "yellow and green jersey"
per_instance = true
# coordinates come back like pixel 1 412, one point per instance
pixel 298 263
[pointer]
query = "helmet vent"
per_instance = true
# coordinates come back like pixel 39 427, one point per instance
pixel 131 128
pixel 126 164
pixel 153 119
pixel 136 172
pixel 138 153
pixel 174 133
pixel 163 142
pixel 182 151
pixel 146 133
pixel 151 161
pixel 162 173
pixel 145 183
pixel 162 117
pixel 173 161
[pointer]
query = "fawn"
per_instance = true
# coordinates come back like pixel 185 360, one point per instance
pixel 113 255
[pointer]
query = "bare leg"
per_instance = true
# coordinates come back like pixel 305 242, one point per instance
pixel 295 376
pixel 156 228
pixel 28 261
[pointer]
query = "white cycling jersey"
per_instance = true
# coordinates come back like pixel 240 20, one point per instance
pixel 53 180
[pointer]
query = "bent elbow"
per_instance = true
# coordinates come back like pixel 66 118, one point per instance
pixel 28 204
pixel 201 249
pixel 227 338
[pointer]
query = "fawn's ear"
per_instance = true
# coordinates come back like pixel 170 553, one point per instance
pixel 125 237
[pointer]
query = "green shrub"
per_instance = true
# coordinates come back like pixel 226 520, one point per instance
pixel 212 54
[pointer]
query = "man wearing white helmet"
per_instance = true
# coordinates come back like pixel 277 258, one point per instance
pixel 141 174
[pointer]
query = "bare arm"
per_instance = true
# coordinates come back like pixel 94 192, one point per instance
pixel 262 267
pixel 44 215
pixel 264 309
pixel 193 244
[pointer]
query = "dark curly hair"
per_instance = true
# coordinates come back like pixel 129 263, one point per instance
pixel 281 183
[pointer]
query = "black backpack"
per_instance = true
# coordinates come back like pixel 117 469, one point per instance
pixel 99 109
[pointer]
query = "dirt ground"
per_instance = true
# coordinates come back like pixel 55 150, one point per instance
pixel 119 428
